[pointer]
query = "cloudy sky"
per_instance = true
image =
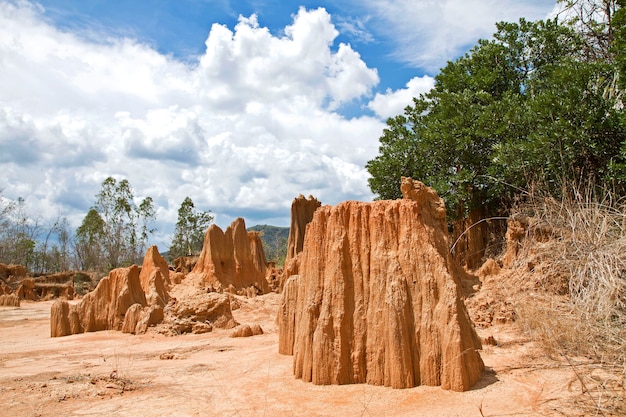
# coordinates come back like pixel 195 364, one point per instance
pixel 240 105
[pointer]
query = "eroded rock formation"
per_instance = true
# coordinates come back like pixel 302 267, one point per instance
pixel 50 291
pixel 185 264
pixel 9 300
pixel 138 318
pixel 194 311
pixel 58 285
pixel 12 271
pixel 515 232
pixel 287 315
pixel 134 299
pixel 102 309
pixel 377 299
pixel 246 330
pixel 231 258
pixel 274 277
pixel 26 290
pixel 302 210
pixel 155 277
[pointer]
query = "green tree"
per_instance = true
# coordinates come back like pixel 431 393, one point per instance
pixel 7 207
pixel 118 226
pixel 19 236
pixel 89 241
pixel 399 156
pixel 52 252
pixel 57 255
pixel 146 215
pixel 190 228
pixel 24 241
pixel 115 205
pixel 619 44
pixel 522 107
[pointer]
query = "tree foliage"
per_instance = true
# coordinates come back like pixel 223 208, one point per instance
pixel 89 241
pixel 18 236
pixel 27 241
pixel 115 231
pixel 528 106
pixel 190 228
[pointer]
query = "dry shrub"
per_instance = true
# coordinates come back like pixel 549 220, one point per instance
pixel 551 320
pixel 578 244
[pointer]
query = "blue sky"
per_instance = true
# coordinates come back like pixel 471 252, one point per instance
pixel 240 105
pixel 179 28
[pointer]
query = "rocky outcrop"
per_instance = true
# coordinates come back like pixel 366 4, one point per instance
pixel 102 309
pixel 247 330
pixel 138 318
pixel 274 277
pixel 60 319
pixel 105 307
pixel 192 310
pixel 515 233
pixel 377 299
pixel 120 303
pixel 287 315
pixel 9 300
pixel 26 290
pixel 59 285
pixel 259 261
pixel 185 264
pixel 470 239
pixel 490 267
pixel 50 291
pixel 233 258
pixel 201 307
pixel 302 210
pixel 155 278
pixel 12 271
pixel 176 277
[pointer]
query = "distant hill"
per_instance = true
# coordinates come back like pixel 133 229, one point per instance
pixel 274 240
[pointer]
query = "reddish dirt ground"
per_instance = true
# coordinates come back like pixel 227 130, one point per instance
pixel 113 374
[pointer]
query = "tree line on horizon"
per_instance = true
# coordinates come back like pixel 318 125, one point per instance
pixel 113 233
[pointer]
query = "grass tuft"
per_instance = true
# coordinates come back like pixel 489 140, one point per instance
pixel 576 247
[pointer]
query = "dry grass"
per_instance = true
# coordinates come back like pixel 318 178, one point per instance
pixel 577 249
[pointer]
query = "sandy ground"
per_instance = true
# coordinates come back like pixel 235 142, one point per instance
pixel 114 374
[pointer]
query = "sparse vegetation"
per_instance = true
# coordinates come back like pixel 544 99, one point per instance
pixel 578 308
pixel 113 233
pixel 190 228
pixel 82 283
pixel 122 226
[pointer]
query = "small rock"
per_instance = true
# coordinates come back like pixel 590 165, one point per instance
pixel 490 341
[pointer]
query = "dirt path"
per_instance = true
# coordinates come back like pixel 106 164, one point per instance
pixel 114 374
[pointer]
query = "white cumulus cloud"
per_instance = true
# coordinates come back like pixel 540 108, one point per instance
pixel 392 103
pixel 428 33
pixel 242 131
